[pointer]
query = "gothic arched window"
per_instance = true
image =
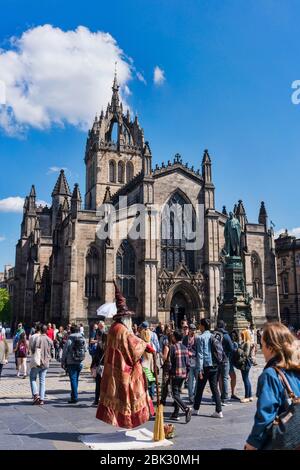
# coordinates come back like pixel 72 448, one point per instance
pixel 256 276
pixel 126 272
pixel 112 171
pixel 177 223
pixel 121 172
pixel 129 171
pixel 92 274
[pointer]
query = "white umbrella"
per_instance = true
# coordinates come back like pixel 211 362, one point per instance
pixel 107 310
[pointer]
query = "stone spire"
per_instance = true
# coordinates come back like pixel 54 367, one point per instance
pixel 206 167
pixel 208 188
pixel 263 216
pixel 115 100
pixel 147 159
pixel 32 199
pixel 240 213
pixel 76 196
pixel 76 201
pixel 60 196
pixel 32 192
pixel 61 187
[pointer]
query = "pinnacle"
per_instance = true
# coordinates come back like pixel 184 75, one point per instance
pixel 61 187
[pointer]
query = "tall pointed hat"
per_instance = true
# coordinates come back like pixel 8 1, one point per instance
pixel 122 309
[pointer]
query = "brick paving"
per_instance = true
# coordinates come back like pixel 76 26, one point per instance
pixel 57 425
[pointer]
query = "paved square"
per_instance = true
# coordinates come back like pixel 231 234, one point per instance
pixel 58 425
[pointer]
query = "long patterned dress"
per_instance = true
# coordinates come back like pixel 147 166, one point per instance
pixel 124 399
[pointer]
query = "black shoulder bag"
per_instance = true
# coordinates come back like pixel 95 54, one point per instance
pixel 284 433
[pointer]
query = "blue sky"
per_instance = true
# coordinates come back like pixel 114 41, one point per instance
pixel 228 68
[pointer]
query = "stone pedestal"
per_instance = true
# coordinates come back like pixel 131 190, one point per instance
pixel 234 307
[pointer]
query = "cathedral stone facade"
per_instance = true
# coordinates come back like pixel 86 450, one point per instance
pixel 64 270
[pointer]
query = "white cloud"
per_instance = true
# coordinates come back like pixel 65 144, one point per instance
pixel 141 78
pixel 55 169
pixel 12 204
pixel 16 203
pixel 40 202
pixel 295 232
pixel 53 76
pixel 2 93
pixel 127 90
pixel 2 238
pixel 158 76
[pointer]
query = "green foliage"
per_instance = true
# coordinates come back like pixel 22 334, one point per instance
pixel 5 307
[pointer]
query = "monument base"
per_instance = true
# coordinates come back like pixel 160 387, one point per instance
pixel 237 316
pixel 235 308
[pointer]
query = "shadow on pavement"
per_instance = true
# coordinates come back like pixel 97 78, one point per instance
pixel 55 436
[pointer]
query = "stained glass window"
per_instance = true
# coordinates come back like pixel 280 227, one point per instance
pixel 126 272
pixel 174 231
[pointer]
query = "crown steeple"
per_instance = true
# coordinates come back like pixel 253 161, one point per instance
pixel 115 150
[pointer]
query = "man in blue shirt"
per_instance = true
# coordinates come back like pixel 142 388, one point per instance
pixel 207 369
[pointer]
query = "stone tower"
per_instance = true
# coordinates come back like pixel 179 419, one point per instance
pixel 115 151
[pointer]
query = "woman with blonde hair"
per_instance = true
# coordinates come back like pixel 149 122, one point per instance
pixel 148 363
pixel 245 370
pixel 280 350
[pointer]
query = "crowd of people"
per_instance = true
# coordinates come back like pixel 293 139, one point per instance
pixel 180 354
pixel 186 357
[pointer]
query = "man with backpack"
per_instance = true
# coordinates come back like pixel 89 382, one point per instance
pixel 224 366
pixel 208 358
pixel 72 359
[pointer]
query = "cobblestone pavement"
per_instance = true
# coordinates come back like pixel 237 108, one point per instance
pixel 57 425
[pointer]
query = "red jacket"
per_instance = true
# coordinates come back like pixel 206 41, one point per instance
pixel 50 333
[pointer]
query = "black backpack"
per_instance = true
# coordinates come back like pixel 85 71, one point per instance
pixel 239 358
pixel 284 432
pixel 78 349
pixel 217 351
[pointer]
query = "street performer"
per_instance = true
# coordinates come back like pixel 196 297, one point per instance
pixel 124 398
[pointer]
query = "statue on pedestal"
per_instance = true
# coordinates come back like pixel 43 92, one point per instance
pixel 232 233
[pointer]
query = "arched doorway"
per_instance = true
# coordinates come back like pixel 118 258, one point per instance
pixel 183 302
pixel 179 309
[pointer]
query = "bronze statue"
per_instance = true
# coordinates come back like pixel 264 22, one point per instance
pixel 232 233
